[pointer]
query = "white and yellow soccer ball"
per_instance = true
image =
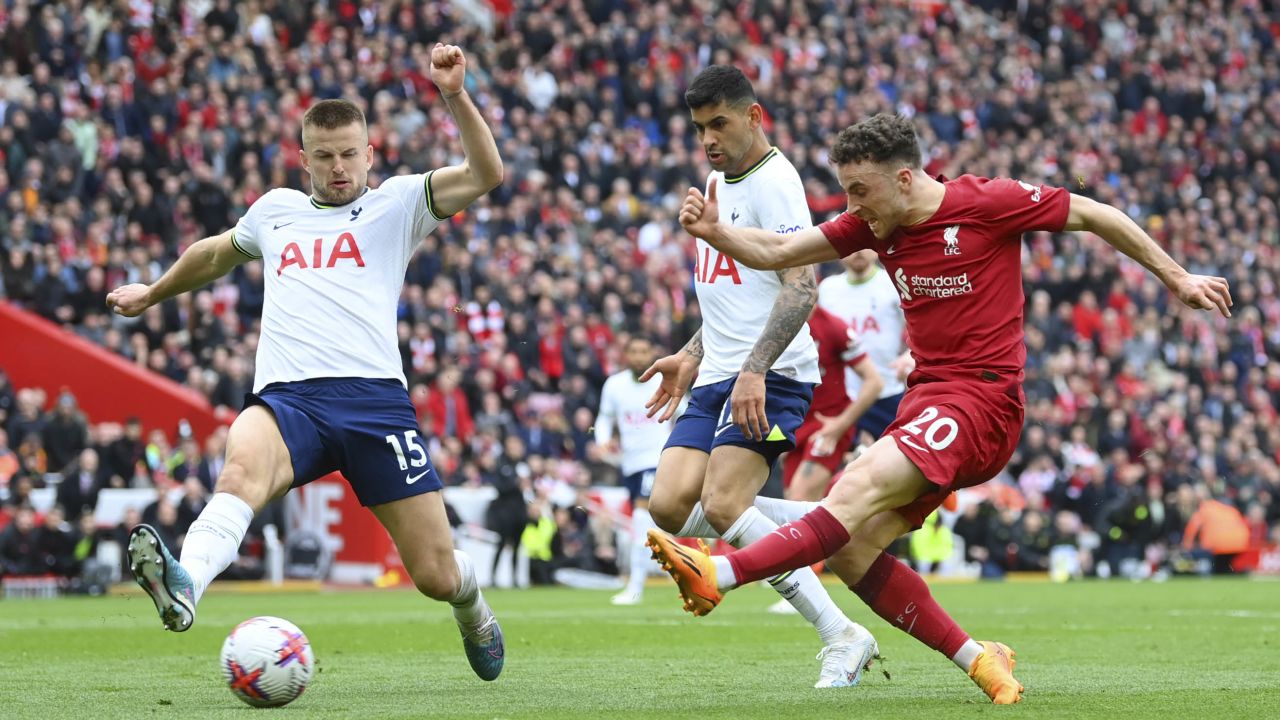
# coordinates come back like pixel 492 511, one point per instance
pixel 267 661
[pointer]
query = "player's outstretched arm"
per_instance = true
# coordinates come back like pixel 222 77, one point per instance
pixel 753 247
pixel 457 186
pixel 202 263
pixel 1202 292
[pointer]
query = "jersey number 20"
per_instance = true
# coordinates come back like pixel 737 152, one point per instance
pixel 941 432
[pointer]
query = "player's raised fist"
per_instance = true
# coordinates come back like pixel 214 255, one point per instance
pixel 129 300
pixel 700 214
pixel 448 68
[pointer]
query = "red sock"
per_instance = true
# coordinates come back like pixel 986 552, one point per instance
pixel 814 537
pixel 899 595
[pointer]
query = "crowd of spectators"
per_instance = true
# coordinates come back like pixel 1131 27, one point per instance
pixel 130 129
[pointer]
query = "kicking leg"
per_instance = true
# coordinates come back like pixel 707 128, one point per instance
pixel 899 595
pixel 420 529
pixel 257 470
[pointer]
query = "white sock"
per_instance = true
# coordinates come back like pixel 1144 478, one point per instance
pixel 696 526
pixel 469 607
pixel 213 540
pixel 725 579
pixel 784 511
pixel 641 521
pixel 967 654
pixel 800 587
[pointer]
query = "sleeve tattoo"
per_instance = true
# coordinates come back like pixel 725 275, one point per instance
pixel 694 347
pixel 790 311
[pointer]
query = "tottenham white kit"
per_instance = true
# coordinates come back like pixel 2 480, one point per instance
pixel 874 311
pixel 736 300
pixel 333 278
pixel 622 409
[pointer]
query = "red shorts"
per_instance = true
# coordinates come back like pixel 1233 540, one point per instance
pixel 804 451
pixel 959 433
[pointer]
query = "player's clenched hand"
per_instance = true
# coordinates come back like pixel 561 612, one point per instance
pixel 699 214
pixel 1203 292
pixel 677 372
pixel 747 404
pixel 827 437
pixel 129 300
pixel 448 68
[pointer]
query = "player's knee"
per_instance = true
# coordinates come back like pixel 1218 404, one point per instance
pixel 723 510
pixel 438 581
pixel 667 515
pixel 861 555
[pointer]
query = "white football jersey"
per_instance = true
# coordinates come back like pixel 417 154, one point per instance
pixel 874 311
pixel 736 301
pixel 622 409
pixel 333 278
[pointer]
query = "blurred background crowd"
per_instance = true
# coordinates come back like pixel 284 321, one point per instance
pixel 130 129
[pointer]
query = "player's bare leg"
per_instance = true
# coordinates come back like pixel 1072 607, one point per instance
pixel 257 470
pixel 420 529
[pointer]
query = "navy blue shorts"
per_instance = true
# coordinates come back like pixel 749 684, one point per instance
pixel 880 415
pixel 640 484
pixel 708 421
pixel 364 428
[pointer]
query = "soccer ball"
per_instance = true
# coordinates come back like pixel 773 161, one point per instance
pixel 267 661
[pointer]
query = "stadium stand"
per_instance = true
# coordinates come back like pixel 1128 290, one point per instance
pixel 130 129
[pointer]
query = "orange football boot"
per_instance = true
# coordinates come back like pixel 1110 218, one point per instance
pixel 693 571
pixel 992 670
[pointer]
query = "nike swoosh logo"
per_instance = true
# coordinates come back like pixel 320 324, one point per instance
pixel 411 479
pixel 889 251
pixel 910 442
pixel 722 428
pixel 277 227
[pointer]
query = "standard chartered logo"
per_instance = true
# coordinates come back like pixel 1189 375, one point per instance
pixel 901 278
pixel 934 286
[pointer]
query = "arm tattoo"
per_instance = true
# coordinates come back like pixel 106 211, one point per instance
pixel 790 311
pixel 694 347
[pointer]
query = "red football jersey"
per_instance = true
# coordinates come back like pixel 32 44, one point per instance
pixel 959 273
pixel 838 348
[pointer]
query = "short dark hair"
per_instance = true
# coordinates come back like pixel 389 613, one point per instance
pixel 719 84
pixel 879 139
pixel 331 114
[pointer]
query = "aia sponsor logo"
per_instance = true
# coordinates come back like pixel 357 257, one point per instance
pixel 712 266
pixel 344 247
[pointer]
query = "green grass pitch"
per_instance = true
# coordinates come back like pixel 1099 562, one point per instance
pixel 1173 651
